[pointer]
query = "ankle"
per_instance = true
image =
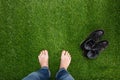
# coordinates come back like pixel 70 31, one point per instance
pixel 44 67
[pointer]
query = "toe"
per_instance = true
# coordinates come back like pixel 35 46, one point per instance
pixel 40 53
pixel 63 52
pixel 46 52
pixel 66 53
pixel 69 55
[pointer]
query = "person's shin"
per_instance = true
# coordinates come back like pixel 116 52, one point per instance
pixel 63 74
pixel 45 72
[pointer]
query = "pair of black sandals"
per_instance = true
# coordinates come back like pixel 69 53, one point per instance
pixel 92 46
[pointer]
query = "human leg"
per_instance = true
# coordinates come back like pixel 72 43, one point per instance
pixel 63 74
pixel 43 73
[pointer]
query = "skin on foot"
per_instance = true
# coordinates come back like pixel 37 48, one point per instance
pixel 65 59
pixel 43 58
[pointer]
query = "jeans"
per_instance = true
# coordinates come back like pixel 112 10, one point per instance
pixel 44 74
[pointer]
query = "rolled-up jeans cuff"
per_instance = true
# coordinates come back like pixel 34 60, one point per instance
pixel 41 74
pixel 45 67
pixel 44 70
pixel 61 73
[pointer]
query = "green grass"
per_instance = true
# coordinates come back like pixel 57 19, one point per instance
pixel 28 26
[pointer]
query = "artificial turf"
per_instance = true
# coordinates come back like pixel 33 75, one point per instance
pixel 28 26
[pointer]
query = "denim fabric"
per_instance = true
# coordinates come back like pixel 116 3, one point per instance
pixel 44 74
pixel 63 74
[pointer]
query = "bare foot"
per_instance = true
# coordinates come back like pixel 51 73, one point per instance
pixel 65 59
pixel 43 58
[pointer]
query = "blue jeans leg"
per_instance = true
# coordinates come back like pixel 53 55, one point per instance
pixel 63 74
pixel 41 74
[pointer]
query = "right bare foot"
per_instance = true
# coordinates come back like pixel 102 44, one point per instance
pixel 65 59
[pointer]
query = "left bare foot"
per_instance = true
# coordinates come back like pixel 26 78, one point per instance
pixel 43 58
